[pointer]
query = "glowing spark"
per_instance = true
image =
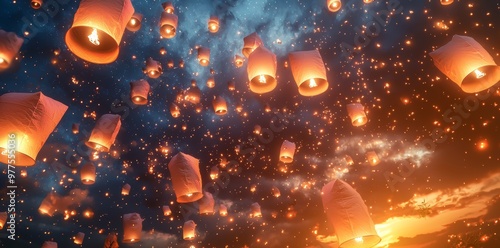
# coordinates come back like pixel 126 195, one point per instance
pixel 93 38
pixel 262 79
pixel 479 74
pixel 312 83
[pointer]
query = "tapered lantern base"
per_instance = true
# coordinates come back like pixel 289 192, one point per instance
pixel 103 51
pixel 261 85
pixel 312 87
pixel 481 79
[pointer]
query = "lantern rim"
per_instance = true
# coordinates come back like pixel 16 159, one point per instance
pixel 138 100
pixel 78 43
pixel 213 23
pixel 305 90
pixel 472 84
pixel 446 2
pixel 22 159
pixel 164 33
pixel 286 159
pixel 96 146
pixel 35 4
pixel 257 87
pixel 186 199
pixel 333 8
pixel 359 121
pixel 368 242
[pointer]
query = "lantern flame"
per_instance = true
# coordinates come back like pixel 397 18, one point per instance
pixel 359 239
pixel 262 79
pixel 479 74
pixel 2 60
pixel 189 195
pixel 133 21
pixel 93 38
pixel 312 83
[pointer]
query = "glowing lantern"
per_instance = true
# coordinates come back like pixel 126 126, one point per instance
pixel 3 219
pixel 446 2
pixel 222 210
pixel 204 56
pixel 214 172
pixel 126 189
pixel 238 61
pixel 132 227
pixel 9 46
pixel 275 191
pixel 168 25
pixel 48 204
pixel 168 7
pixel 287 151
pixel 267 108
pixel 257 129
pixel 24 173
pixel 207 203
pixel 467 63
pixel 181 63
pixel 231 86
pixel 166 210
pixel 36 4
pixel 255 210
pixel 198 108
pixel 220 106
pixel 49 244
pixel 357 114
pixel 309 72
pixel 163 51
pixel 98 29
pixel 104 133
pixel 87 173
pixel 372 158
pixel 250 43
pixel 193 94
pixel 139 91
pixel 79 238
pixel 189 230
pixel 367 1
pixel 75 128
pixel 261 69
pixel 153 68
pixel 349 160
pixel 334 5
pixel 170 63
pixel 211 82
pixel 349 215
pixel 134 24
pixel 174 110
pixel 30 120
pixel 186 179
pixel 213 24
pixel 253 188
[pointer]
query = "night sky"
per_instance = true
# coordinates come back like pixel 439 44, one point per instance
pixel 423 193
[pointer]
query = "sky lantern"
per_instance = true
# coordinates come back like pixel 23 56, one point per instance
pixel 206 204
pixel 193 94
pixel 261 69
pixel 3 219
pixel 36 4
pixel 189 230
pixel 250 43
pixel 78 239
pixel 238 61
pixel 446 2
pixel 139 91
pixel 174 110
pixel 204 56
pixel 334 5
pixel 170 64
pixel 213 24
pixel 287 151
pixel 98 28
pixel 49 244
pixel 198 108
pixel 309 72
pixel 132 227
pixel 211 82
pixel 126 189
pixel 168 7
pixel 349 160
pixel 186 178
pixel 104 133
pixel 367 1
pixel 75 128
pixel 275 191
pixel 30 120
pixel 135 22
pixel 166 210
pixel 48 204
pixel 267 108
pixel 464 61
pixel 349 216
pixel 255 210
pixel 372 158
pixel 87 173
pixel 10 44
pixel 168 25
pixel 231 86
pixel 153 68
pixel 220 105
pixel 181 63
pixel 214 172
pixel 163 51
pixel 357 114
pixel 222 210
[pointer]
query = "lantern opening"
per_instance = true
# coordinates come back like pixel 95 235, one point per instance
pixel 481 79
pixel 263 83
pixel 313 86
pixel 98 47
pixel 334 5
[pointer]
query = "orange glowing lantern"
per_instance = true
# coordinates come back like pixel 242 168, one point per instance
pixel 193 94
pixel 170 63
pixel 204 56
pixel 30 120
pixel 49 244
pixel 36 4
pixel 189 230
pixel 168 25
pixel 168 7
pixel 372 158
pixel 10 44
pixel 139 91
pixel 163 51
pixel 261 70
pixel 211 82
pixel 257 129
pixel 222 210
pixel 220 106
pixel 267 108
pixel 78 239
pixel 153 68
pixel 181 63
pixel 357 114
pixel 213 24
pixel 287 151
pixel 206 204
pixel 255 210
pixel 87 173
pixel 309 72
pixel 186 178
pixel 334 5
pixel 174 110
pixel 3 219
pixel 367 1
pixel 446 2
pixel 467 63
pixel 238 61
pixel 132 227
pixel 75 128
pixel 349 216
pixel 250 43
pixel 48 204
pixel 276 192
pixel 166 210
pixel 134 24
pixel 126 189
pixel 214 172
pixel 349 160
pixel 104 133
pixel 231 86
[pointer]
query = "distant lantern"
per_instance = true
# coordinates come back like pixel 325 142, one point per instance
pixel 231 86
pixel 193 94
pixel 222 210
pixel 98 29
pixel 3 219
pixel 446 2
pixel 49 244
pixel 309 72
pixel 132 227
pixel 181 63
pixel 238 61
pixel 349 216
pixel 163 51
pixel 48 205
pixel 369 1
pixel 75 128
pixel 211 82
pixel 135 22
pixel 87 173
pixel 357 114
pixel 257 129
pixel 255 210
pixel 204 56
pixel 153 68
pixel 334 5
pixel 170 64
pixel 213 24
pixel 275 191
pixel 220 106
pixel 126 189
pixel 10 44
pixel 30 120
pixel 287 151
pixel 261 69
pixel 467 63
pixel 372 158
pixel 139 91
pixel 104 133
pixel 174 110
pixel 78 239
pixel 267 108
pixel 239 108
pixel 166 210
pixel 250 43
pixel 37 4
pixel 168 7
pixel 198 108
pixel 214 172
pixel 206 203
pixel 189 230
pixel 186 178
pixel 168 25
pixel 349 160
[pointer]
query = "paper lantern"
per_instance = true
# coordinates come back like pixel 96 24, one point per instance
pixel 126 189
pixel 372 158
pixel 467 63
pixel 206 203
pixel 214 172
pixel 166 210
pixel 163 51
pixel 357 114
pixel 27 121
pixel 334 5
pixel 238 61
pixel 174 110
pixel 255 210
pixel 349 160
pixel 104 133
pixel 36 4
pixel 198 108
pixel 309 72
pixel 446 2
pixel 98 28
pixel 222 210
pixel 168 25
pixel 220 106
pixel 193 94
pixel 250 43
pixel 79 238
pixel 261 69
pixel 189 230
pixel 75 128
pixel 275 191
pixel 211 82
pixel 257 129
pixel 10 44
pixel 349 216
pixel 213 24
pixel 48 204
pixel 135 22
pixel 3 219
pixel 87 173
pixel 287 151
pixel 367 1
pixel 231 86
pixel 132 228
pixel 153 68
pixel 204 56
pixel 186 178
pixel 181 63
pixel 267 108
pixel 168 7
pixel 139 91
pixel 49 244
